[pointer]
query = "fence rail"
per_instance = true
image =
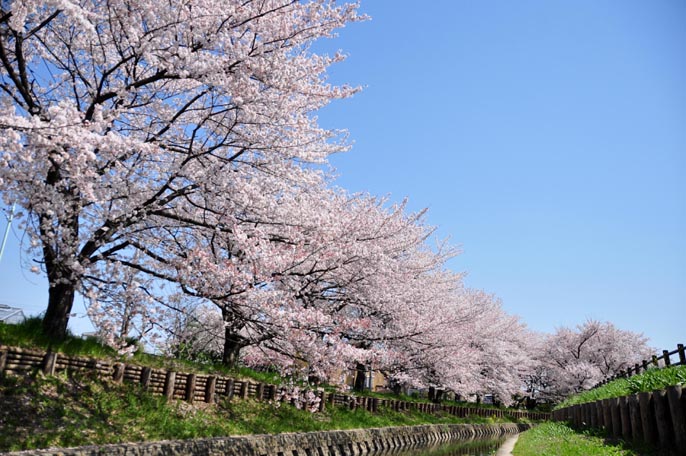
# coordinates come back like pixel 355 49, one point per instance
pixel 191 387
pixel 656 362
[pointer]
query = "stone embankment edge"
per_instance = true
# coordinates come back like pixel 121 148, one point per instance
pixel 324 443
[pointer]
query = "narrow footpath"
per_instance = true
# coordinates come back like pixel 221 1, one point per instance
pixel 507 446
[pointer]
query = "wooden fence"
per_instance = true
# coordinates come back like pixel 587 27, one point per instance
pixel 656 362
pixel 657 418
pixel 209 388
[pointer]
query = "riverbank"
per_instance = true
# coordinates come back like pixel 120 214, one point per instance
pixel 61 398
pixel 558 439
pixel 73 410
pixel 373 441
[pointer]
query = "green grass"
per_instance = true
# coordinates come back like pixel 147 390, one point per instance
pixel 72 410
pixel 78 409
pixel 558 439
pixel 654 379
pixel 28 334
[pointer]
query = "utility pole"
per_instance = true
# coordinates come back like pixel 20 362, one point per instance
pixel 7 230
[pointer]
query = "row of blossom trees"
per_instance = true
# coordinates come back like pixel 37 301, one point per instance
pixel 170 170
pixel 576 359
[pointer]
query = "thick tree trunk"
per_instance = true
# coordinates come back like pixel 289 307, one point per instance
pixel 435 394
pixel 57 229
pixel 232 348
pixel 233 341
pixel 360 377
pixel 60 302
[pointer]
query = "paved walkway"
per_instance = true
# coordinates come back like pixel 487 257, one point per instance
pixel 506 448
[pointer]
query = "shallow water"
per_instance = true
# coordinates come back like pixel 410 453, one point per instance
pixel 482 447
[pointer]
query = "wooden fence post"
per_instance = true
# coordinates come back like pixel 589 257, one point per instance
pixel 625 418
pixel 146 373
pixel 665 356
pixel 599 415
pixel 190 388
pixel 677 411
pixel 49 362
pixel 635 418
pixel 210 388
pixel 645 402
pixel 580 416
pixel 169 383
pixel 118 373
pixel 682 354
pixel 616 418
pixel 244 390
pixel 573 410
pixel 593 417
pixel 3 359
pixel 259 393
pixel 662 418
pixel 229 389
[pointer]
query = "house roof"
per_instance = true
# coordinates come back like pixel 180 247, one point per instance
pixel 7 312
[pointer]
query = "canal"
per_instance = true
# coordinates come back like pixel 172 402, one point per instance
pixel 481 447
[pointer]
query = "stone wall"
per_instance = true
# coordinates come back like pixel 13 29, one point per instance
pixel 329 443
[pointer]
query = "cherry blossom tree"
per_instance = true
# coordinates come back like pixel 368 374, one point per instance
pixel 471 348
pixel 503 345
pixel 321 279
pixel 125 311
pixel 126 125
pixel 577 358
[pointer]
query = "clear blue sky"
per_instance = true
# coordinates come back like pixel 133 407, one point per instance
pixel 547 138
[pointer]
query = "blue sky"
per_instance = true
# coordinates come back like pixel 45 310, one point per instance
pixel 547 138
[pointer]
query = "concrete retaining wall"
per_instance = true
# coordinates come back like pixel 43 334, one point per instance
pixel 330 443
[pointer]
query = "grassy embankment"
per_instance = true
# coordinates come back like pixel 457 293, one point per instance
pixel 72 410
pixel 651 380
pixel 560 440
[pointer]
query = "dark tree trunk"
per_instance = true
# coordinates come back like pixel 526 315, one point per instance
pixel 360 377
pixel 60 302
pixel 396 387
pixel 232 348
pixel 233 341
pixel 62 281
